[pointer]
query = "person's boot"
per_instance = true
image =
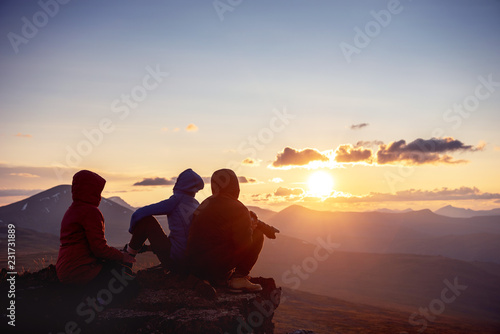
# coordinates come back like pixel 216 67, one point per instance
pixel 242 284
pixel 145 248
pixel 128 265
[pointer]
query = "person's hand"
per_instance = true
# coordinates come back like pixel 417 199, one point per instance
pixel 268 230
pixel 254 220
pixel 127 258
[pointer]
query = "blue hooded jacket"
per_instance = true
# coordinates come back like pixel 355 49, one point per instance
pixel 179 209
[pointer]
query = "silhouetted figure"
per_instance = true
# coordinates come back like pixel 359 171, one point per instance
pixel 84 255
pixel 224 241
pixel 179 208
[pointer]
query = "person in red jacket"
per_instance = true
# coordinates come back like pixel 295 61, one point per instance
pixel 84 253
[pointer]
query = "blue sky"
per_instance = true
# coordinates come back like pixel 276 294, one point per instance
pixel 228 76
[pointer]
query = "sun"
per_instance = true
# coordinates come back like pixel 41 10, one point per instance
pixel 320 184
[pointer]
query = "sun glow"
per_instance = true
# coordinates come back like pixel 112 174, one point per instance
pixel 320 184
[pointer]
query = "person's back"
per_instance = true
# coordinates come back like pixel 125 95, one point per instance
pixel 82 232
pixel 179 208
pixel 221 237
pixel 219 232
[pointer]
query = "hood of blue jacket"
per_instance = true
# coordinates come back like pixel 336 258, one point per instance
pixel 189 182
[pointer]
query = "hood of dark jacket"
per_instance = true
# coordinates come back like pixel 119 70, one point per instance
pixel 189 182
pixel 87 187
pixel 225 182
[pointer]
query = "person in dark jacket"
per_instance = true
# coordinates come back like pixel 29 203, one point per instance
pixel 84 253
pixel 179 208
pixel 225 239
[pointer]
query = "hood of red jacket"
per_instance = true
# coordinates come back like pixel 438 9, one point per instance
pixel 87 187
pixel 225 182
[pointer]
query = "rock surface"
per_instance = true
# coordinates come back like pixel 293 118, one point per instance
pixel 161 303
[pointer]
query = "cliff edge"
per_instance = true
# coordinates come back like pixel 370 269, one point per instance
pixel 160 303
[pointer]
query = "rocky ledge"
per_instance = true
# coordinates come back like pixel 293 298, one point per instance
pixel 160 303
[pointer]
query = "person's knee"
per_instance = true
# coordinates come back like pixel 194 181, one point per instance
pixel 149 220
pixel 258 236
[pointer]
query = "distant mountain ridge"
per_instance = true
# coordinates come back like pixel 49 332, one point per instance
pixel 122 202
pixel 414 232
pixel 44 211
pixel 451 211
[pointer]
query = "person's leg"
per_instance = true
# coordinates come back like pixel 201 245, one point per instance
pixel 150 229
pixel 250 256
pixel 239 280
pixel 113 284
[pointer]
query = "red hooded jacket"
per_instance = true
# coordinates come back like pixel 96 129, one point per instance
pixel 82 232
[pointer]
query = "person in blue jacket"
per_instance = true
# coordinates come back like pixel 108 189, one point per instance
pixel 179 209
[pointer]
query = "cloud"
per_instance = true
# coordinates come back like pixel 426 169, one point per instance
pixel 363 143
pixel 418 152
pixel 57 174
pixel 422 151
pixel 241 179
pixel 292 157
pixel 276 180
pixel 284 195
pixel 19 134
pixel 191 128
pixel 359 126
pixel 438 194
pixel 281 195
pixel 348 153
pixel 281 191
pixel 244 179
pixel 28 175
pixel 18 192
pixel 251 162
pixel 156 181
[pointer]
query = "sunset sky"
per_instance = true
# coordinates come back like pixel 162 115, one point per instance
pixel 395 102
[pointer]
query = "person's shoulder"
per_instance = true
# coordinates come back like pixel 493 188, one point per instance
pixel 234 204
pixel 90 211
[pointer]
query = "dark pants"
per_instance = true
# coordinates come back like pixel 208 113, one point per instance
pixel 249 257
pixel 150 228
pixel 237 264
pixel 115 278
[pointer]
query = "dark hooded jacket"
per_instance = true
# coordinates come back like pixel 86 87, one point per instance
pixel 82 239
pixel 221 229
pixel 179 209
